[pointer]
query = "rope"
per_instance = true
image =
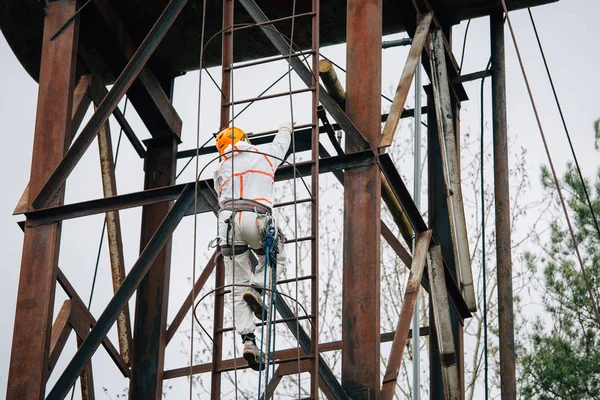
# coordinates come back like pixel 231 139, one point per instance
pixel 296 244
pixel 554 175
pixel 564 123
pixel 196 185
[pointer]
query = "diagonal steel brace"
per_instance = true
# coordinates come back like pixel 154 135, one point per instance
pixel 305 74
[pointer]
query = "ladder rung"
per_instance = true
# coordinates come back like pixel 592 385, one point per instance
pixel 272 21
pixel 296 127
pixel 302 278
pixel 290 203
pixel 280 361
pixel 302 239
pixel 278 321
pixel 271 96
pixel 271 59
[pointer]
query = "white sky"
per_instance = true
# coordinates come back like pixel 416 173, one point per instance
pixel 569 31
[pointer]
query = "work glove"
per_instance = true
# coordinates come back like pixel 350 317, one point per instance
pixel 288 126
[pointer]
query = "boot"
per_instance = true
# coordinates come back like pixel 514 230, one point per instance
pixel 253 355
pixel 254 300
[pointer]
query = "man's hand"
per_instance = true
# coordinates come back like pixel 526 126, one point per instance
pixel 287 126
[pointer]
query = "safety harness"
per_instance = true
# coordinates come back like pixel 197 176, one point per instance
pixel 235 206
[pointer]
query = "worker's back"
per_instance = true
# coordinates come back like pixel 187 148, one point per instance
pixel 248 173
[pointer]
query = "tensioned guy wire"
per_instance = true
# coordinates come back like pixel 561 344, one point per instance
pixel 554 175
pixel 196 187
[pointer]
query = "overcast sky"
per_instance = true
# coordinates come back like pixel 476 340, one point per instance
pixel 569 31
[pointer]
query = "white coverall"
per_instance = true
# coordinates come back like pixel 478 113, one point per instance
pixel 249 176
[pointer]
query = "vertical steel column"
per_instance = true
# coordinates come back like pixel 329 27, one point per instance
pixel 217 352
pixel 226 63
pixel 502 203
pixel 35 302
pixel 314 301
pixel 362 206
pixel 150 329
pixel 439 222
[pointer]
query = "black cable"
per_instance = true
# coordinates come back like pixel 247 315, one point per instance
pixel 562 118
pixel 70 20
pixel 484 277
pixel 462 56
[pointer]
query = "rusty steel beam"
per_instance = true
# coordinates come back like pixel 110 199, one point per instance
pixel 118 301
pixel 81 103
pixel 443 324
pixel 81 327
pixel 106 343
pixel 413 60
pixel 28 369
pixel 145 197
pixel 116 93
pixel 115 240
pixel 146 93
pixel 60 334
pixel 189 300
pixel 97 93
pixel 451 171
pixel 413 285
pixel 352 131
pixel 151 304
pixel 362 206
pixel 508 383
pixel 217 349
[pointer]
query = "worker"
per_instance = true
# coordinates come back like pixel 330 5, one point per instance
pixel 244 183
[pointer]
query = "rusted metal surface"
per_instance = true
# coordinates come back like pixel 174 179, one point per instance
pixel 352 133
pixel 315 251
pixel 508 386
pixel 395 244
pixel 451 169
pixel 146 93
pixel 443 324
pixel 116 93
pixel 362 207
pixel 106 343
pixel 81 103
pixel 413 60
pixel 115 241
pixel 151 304
pixel 118 301
pixel 27 373
pixel 98 92
pixel 60 334
pixel 286 353
pixel 21 21
pixel 189 300
pixel 81 327
pixel 413 285
pixel 217 350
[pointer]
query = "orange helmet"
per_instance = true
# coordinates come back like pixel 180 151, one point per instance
pixel 229 136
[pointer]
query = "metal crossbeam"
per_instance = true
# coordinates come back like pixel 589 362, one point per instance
pixel 116 93
pixel 411 293
pixel 130 284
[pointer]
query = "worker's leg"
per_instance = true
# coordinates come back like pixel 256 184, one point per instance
pixel 238 271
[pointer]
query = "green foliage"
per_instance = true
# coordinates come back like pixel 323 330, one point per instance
pixel 562 357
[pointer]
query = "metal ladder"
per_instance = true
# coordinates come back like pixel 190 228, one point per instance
pixel 309 360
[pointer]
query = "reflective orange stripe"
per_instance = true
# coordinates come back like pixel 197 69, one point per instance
pixel 242 186
pixel 263 199
pixel 248 171
pixel 266 158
